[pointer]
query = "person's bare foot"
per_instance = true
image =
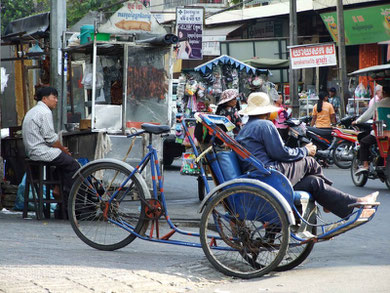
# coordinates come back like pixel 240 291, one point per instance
pixel 370 198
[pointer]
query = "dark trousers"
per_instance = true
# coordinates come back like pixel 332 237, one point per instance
pixel 66 166
pixel 306 174
pixel 365 144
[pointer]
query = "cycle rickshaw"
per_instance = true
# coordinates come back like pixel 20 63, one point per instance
pixel 251 223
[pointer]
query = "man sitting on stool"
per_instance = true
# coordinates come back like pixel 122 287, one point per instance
pixel 41 142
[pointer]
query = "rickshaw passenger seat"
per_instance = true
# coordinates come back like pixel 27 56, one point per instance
pixel 224 165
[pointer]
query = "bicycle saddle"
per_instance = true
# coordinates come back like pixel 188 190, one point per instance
pixel 155 129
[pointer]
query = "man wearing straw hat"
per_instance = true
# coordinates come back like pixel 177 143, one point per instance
pixel 260 137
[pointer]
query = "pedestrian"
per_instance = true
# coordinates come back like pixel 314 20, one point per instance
pixel 378 95
pixel 261 138
pixel 41 141
pixel 335 101
pixel 281 117
pixel 227 106
pixel 323 112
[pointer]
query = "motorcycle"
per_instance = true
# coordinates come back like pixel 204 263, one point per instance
pixel 379 166
pixel 334 145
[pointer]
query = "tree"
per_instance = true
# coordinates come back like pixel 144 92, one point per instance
pixel 15 9
pixel 76 9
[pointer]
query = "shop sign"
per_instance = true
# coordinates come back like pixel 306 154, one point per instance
pixel 362 26
pixel 211 45
pixel 189 26
pixel 313 56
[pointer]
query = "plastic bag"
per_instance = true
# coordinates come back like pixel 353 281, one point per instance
pixel 19 201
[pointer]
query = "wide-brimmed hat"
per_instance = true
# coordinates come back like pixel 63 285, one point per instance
pixel 258 104
pixel 228 95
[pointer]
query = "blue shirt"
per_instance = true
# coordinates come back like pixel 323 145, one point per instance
pixel 261 138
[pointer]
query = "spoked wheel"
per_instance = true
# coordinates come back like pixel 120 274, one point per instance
pixel 297 252
pixel 343 150
pixel 244 232
pixel 91 215
pixel 361 179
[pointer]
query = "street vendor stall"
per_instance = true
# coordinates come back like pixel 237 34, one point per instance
pixel 116 84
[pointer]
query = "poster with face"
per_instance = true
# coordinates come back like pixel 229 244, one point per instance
pixel 189 30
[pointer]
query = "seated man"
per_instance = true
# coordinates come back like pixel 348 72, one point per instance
pixel 367 141
pixel 260 137
pixel 40 140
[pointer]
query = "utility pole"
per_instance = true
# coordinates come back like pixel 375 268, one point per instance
pixel 344 93
pixel 57 27
pixel 293 74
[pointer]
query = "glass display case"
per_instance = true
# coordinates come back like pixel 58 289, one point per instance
pixel 357 106
pixel 306 105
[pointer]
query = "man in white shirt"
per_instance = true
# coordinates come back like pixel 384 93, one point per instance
pixel 40 140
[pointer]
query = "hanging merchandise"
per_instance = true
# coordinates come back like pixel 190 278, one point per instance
pixel 189 165
pixel 361 92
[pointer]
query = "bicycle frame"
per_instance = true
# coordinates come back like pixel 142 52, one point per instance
pixel 152 157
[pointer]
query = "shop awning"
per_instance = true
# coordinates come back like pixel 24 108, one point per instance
pixel 35 26
pixel 220 30
pixel 271 10
pixel 373 71
pixel 268 63
pixel 224 59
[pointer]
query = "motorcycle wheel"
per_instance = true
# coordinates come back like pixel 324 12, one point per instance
pixel 387 182
pixel 340 149
pixel 359 180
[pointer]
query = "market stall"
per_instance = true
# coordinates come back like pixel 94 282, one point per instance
pixel 117 78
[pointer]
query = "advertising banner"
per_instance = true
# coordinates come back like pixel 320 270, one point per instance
pixel 189 26
pixel 362 26
pixel 313 56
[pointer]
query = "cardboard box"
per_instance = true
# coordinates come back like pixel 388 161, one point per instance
pixel 85 124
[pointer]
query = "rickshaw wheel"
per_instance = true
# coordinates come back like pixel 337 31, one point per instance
pixel 387 182
pixel 361 179
pixel 244 232
pixel 296 252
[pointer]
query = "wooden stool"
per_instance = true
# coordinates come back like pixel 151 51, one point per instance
pixel 39 174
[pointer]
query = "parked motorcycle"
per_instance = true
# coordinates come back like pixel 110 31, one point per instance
pixel 334 145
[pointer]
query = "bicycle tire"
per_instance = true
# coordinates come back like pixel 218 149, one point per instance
pixel 251 242
pixel 361 179
pixel 86 209
pixel 296 252
pixel 337 153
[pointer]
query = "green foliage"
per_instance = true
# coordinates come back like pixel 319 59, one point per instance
pixel 76 9
pixel 15 9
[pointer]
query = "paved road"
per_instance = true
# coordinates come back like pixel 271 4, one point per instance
pixel 46 256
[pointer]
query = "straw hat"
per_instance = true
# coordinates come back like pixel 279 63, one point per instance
pixel 258 103
pixel 228 95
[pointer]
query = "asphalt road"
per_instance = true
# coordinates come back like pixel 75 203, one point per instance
pixel 47 256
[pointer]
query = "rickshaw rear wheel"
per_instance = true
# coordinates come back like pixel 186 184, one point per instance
pixel 361 179
pixel 297 253
pixel 244 232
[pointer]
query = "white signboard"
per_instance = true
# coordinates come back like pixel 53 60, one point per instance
pixel 189 22
pixel 211 45
pixel 133 17
pixel 313 56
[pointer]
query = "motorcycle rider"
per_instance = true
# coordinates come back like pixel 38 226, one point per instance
pixel 367 141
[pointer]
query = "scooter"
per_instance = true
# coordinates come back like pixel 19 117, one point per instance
pixel 379 161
